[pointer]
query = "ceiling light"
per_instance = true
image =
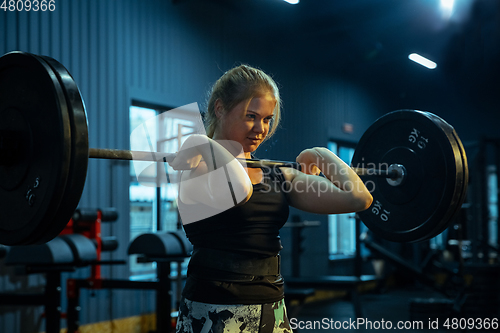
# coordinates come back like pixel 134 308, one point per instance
pixel 293 2
pixel 422 61
pixel 447 8
pixel 447 4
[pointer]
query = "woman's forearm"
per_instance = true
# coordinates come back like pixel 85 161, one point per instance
pixel 337 171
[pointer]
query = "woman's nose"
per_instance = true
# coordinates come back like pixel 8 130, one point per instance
pixel 258 127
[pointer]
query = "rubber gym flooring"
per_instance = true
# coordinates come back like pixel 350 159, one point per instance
pixel 382 312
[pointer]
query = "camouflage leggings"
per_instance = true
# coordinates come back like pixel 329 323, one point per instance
pixel 196 317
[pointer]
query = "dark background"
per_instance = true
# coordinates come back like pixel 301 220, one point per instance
pixel 336 62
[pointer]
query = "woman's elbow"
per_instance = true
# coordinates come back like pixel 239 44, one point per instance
pixel 363 202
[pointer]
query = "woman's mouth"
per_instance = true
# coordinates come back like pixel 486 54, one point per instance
pixel 254 140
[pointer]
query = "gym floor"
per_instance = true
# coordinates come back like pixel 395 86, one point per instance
pixel 380 310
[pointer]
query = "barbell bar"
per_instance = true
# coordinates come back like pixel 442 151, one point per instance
pixel 44 156
pixel 393 172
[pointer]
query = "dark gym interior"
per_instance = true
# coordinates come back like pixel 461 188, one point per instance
pixel 340 66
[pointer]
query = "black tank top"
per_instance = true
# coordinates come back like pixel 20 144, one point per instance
pixel 251 229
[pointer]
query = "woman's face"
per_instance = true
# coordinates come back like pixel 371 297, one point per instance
pixel 248 122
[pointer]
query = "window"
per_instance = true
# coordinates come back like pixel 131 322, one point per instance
pixel 341 227
pixel 492 200
pixel 153 194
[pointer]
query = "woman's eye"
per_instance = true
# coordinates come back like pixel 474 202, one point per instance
pixel 251 116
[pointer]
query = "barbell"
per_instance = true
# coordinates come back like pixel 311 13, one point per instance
pixel 394 172
pixel 44 155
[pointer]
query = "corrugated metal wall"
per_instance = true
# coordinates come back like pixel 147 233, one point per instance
pixel 167 53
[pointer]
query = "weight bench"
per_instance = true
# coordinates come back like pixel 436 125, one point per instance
pixel 162 248
pixel 51 259
pixel 332 282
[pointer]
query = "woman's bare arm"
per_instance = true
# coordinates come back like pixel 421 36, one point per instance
pixel 341 191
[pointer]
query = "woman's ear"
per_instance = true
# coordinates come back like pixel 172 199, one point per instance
pixel 219 108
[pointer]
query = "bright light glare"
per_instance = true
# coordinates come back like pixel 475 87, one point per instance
pixel 447 4
pixel 422 61
pixel 293 2
pixel 447 8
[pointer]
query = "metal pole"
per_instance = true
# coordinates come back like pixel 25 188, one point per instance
pixel 250 163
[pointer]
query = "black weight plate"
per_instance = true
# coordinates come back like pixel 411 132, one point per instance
pixel 462 175
pixel 79 150
pixel 465 167
pixel 424 202
pixel 16 148
pixel 30 88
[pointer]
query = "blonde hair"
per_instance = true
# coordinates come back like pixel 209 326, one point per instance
pixel 239 84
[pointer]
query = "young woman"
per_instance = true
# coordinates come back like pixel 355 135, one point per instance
pixel 232 214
